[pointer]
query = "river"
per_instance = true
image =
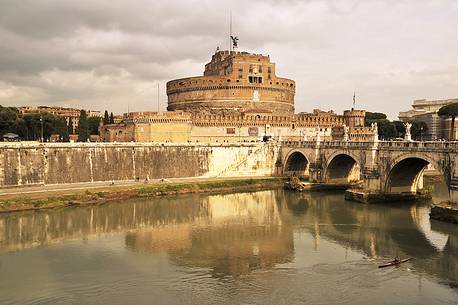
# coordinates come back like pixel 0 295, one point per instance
pixel 266 247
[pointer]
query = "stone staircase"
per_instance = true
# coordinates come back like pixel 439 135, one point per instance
pixel 246 166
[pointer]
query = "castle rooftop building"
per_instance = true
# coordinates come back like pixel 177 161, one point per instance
pixel 234 82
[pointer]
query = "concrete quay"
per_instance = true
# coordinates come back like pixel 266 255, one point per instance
pixel 378 197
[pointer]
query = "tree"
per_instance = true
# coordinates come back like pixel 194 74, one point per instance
pixel 111 118
pixel 418 130
pixel 375 116
pixel 450 111
pixel 386 129
pixel 62 130
pixel 93 125
pixel 83 128
pixel 8 117
pixel 400 129
pixel 106 118
pixel 29 126
pixel 70 126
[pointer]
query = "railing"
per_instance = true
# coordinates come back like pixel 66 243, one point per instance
pixel 435 145
pixel 15 145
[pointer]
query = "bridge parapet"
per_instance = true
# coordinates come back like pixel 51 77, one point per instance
pixel 434 145
pixel 327 144
pixel 404 145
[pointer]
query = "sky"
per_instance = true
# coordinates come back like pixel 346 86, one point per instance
pixel 111 54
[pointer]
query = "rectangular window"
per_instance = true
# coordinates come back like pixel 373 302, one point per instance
pixel 260 69
pixel 230 130
pixel 255 79
pixel 250 70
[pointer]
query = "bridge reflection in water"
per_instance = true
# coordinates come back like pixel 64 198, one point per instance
pixel 237 233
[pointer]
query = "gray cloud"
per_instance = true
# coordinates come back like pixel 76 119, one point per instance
pixel 111 53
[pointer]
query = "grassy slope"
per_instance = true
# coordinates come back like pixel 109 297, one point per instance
pixel 26 202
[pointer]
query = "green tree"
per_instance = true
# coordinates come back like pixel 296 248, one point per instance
pixel 106 118
pixel 20 128
pixel 400 129
pixel 83 128
pixel 31 125
pixel 93 125
pixel 62 130
pixel 111 118
pixel 386 129
pixel 418 130
pixel 450 111
pixel 8 117
pixel 373 116
pixel 70 126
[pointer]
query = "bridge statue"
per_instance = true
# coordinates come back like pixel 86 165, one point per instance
pixel 346 131
pixel 318 136
pixel 408 136
pixel 374 129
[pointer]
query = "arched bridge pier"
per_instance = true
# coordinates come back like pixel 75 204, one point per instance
pixel 384 170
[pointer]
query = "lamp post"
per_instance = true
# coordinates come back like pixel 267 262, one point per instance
pixel 421 133
pixel 41 121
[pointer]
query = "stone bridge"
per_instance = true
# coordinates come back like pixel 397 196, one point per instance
pixel 388 168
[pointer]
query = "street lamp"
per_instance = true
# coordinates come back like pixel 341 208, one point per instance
pixel 421 133
pixel 41 121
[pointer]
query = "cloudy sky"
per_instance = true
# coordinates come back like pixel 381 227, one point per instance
pixel 110 54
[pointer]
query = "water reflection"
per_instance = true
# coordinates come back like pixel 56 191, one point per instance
pixel 235 234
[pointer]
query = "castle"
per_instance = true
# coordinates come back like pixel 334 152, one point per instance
pixel 239 98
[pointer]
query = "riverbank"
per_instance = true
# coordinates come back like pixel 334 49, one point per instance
pixel 103 194
pixel 445 211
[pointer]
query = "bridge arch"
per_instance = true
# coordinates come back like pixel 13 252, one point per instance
pixel 406 172
pixel 297 164
pixel 342 168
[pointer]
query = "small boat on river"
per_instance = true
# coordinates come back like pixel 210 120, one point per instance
pixel 395 262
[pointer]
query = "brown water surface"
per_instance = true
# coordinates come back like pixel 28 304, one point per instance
pixel 268 247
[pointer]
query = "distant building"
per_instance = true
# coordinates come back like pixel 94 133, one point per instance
pixel 426 111
pixel 10 137
pixel 67 113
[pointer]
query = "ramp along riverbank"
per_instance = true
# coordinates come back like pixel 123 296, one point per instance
pixel 45 197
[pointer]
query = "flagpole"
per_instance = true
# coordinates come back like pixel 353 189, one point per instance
pixel 354 99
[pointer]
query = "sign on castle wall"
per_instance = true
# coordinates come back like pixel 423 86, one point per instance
pixel 253 131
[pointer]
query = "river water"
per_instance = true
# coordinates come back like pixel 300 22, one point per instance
pixel 267 247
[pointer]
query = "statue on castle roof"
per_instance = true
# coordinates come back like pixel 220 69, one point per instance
pixel 235 41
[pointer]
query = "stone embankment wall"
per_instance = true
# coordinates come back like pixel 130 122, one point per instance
pixel 37 164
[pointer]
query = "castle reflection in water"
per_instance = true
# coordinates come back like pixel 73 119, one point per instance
pixel 235 234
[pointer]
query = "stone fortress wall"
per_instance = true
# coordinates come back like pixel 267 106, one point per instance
pixel 183 127
pixel 60 163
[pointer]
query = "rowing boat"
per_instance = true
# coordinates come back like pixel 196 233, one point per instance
pixel 395 263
